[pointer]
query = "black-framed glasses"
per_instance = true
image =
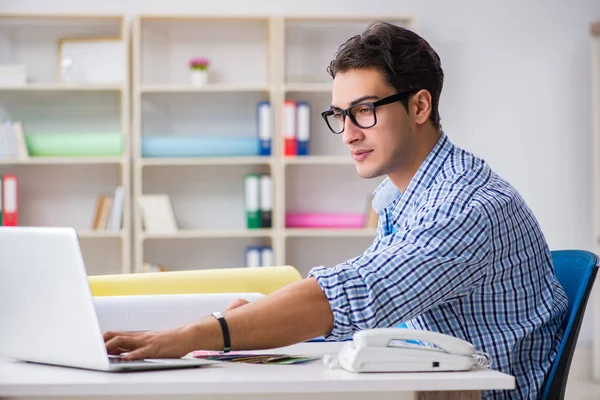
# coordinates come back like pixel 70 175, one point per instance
pixel 362 114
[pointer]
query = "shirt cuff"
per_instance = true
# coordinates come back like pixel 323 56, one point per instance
pixel 332 282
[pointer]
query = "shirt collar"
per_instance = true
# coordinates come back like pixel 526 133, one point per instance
pixel 386 193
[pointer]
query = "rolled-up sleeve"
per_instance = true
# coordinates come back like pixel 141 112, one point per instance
pixel 439 255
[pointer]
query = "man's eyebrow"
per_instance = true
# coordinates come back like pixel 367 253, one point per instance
pixel 356 101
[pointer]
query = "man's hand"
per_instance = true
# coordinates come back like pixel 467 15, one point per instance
pixel 171 343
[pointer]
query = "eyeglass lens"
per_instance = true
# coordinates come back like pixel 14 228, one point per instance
pixel 362 115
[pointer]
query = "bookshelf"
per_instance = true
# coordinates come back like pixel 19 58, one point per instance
pixel 253 59
pixel 61 189
pixel 595 50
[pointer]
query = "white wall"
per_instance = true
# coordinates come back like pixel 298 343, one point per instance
pixel 517 91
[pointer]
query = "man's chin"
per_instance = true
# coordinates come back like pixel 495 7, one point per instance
pixel 367 173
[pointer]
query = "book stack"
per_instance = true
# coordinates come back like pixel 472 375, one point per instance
pixel 259 256
pixel 152 267
pixel 8 200
pixel 296 128
pixel 13 145
pixel 108 215
pixel 258 198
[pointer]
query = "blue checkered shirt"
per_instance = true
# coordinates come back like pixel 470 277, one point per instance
pixel 458 252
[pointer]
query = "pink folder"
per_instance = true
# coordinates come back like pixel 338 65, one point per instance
pixel 324 220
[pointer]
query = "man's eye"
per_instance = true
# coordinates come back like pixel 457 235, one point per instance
pixel 365 110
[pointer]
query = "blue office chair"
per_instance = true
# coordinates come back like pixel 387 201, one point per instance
pixel 576 271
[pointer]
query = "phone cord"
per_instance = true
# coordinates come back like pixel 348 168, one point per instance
pixel 331 361
pixel 483 359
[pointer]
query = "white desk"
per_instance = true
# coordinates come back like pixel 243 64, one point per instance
pixel 232 380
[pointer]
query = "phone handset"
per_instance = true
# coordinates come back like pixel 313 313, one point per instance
pixel 384 337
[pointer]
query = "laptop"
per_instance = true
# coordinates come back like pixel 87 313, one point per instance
pixel 47 312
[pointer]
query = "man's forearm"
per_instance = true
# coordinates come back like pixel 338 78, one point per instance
pixel 293 314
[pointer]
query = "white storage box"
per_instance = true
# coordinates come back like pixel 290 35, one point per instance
pixel 13 75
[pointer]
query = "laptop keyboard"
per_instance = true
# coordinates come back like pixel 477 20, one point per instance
pixel 117 360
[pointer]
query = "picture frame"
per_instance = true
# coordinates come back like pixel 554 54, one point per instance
pixel 84 60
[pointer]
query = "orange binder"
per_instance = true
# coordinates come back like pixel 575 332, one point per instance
pixel 9 200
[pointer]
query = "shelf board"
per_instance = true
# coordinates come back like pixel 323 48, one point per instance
pixel 65 161
pixel 201 17
pixel 345 18
pixel 318 160
pixel 62 87
pixel 308 87
pixel 191 161
pixel 329 232
pixel 210 234
pixel 210 88
pixel 97 234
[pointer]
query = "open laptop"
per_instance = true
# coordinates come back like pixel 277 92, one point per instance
pixel 47 313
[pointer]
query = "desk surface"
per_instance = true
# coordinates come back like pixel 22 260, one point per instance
pixel 26 379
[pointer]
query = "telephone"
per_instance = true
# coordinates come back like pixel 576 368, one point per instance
pixel 387 350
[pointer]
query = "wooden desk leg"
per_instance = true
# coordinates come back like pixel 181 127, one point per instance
pixel 466 395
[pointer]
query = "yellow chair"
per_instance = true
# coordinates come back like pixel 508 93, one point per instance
pixel 263 280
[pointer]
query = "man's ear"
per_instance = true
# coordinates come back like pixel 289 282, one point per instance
pixel 421 106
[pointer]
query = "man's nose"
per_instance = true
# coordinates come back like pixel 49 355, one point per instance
pixel 351 133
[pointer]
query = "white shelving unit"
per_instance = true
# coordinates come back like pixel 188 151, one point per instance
pixel 595 32
pixel 62 191
pixel 252 59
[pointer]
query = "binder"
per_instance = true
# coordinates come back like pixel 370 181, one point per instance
pixel 253 254
pixel 252 194
pixel 266 257
pixel 266 201
pixel 9 201
pixel 303 126
pixel 289 128
pixel 4 149
pixel 11 140
pixel 265 128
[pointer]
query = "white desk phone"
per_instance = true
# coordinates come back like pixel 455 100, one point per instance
pixel 386 350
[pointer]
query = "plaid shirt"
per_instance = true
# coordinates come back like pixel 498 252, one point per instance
pixel 459 252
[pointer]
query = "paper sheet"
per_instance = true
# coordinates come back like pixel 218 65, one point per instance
pixel 156 312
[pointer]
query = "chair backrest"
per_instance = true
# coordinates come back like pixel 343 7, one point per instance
pixel 576 271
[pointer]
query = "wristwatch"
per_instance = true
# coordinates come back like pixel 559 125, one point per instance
pixel 225 329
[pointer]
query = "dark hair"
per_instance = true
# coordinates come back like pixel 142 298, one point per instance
pixel 406 60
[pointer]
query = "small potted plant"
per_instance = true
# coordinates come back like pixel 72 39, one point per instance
pixel 199 70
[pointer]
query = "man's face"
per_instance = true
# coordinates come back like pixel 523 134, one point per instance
pixel 385 147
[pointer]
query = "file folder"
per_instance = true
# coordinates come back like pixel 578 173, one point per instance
pixel 253 256
pixel 266 201
pixel 265 128
pixel 266 257
pixel 251 193
pixel 9 201
pixel 303 126
pixel 289 128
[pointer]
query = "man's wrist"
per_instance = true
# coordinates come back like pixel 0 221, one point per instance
pixel 206 334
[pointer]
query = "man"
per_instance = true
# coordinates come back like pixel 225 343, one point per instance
pixel 457 250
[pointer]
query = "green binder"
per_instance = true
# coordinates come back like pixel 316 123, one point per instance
pixel 252 200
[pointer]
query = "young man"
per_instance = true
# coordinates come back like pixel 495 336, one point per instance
pixel 457 250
